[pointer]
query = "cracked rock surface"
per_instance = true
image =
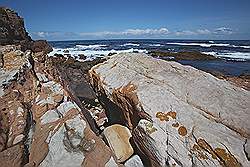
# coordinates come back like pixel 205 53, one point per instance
pixel 41 122
pixel 178 115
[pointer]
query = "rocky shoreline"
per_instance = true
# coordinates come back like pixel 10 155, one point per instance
pixel 242 80
pixel 128 109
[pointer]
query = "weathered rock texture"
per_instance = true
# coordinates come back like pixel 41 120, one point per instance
pixel 178 115
pixel 42 120
pixel 118 137
pixel 12 28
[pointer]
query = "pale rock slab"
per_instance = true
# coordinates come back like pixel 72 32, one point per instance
pixel 118 138
pixel 134 161
pixel 193 117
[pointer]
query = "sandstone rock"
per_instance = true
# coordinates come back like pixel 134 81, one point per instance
pixel 179 116
pixel 12 157
pixel 118 138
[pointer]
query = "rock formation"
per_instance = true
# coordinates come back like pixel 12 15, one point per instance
pixel 12 29
pixel 178 115
pixel 42 120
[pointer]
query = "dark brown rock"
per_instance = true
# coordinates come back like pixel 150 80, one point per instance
pixel 41 46
pixel 82 56
pixel 12 157
pixel 181 55
pixel 12 28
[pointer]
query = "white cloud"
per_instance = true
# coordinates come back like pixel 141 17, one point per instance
pixel 45 34
pixel 41 34
pixel 130 33
pixel 217 31
pixel 185 32
pixel 203 31
pixel 223 30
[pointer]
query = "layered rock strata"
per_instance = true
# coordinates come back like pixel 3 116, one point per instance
pixel 41 119
pixel 178 115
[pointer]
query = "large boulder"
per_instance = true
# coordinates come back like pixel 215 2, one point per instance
pixel 178 115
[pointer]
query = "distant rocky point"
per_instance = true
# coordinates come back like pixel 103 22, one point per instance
pixel 181 55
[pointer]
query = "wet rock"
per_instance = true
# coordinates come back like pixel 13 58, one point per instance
pixel 82 56
pixel 111 54
pixel 118 138
pixel 181 55
pixel 66 51
pixel 178 115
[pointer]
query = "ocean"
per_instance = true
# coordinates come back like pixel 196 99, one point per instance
pixel 234 54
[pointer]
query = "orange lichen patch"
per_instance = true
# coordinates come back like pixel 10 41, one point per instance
pixel 224 158
pixel 205 146
pixel 197 149
pixel 150 128
pixel 165 116
pixel 182 131
pixel 228 159
pixel 162 116
pixel 128 88
pixel 172 114
pixel 176 125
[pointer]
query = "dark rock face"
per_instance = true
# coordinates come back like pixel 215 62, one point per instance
pixel 40 46
pixel 181 55
pixel 82 56
pixel 76 73
pixel 12 29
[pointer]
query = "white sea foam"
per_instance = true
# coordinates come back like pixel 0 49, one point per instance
pixel 230 55
pixel 130 44
pixel 90 46
pixel 245 47
pixel 91 54
pixel 199 44
pixel 211 43
pixel 155 45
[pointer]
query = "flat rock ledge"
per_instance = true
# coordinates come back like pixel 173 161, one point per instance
pixel 177 115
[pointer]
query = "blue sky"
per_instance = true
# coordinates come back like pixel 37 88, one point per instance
pixel 110 19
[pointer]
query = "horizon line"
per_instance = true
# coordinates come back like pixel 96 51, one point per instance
pixel 145 39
